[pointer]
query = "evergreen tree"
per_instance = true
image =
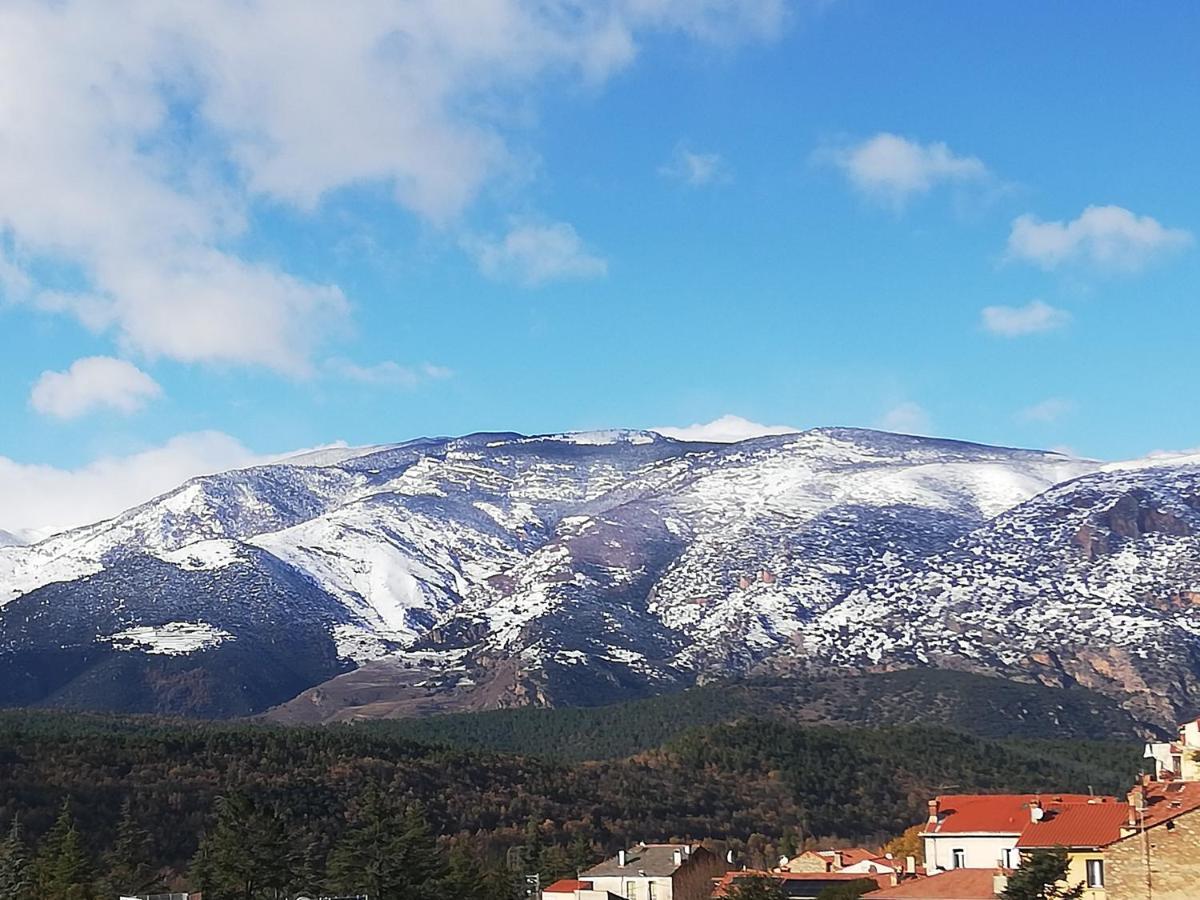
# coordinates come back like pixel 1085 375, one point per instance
pixel 16 870
pixel 755 887
pixel 249 852
pixel 1042 875
pixel 61 868
pixel 128 862
pixel 581 853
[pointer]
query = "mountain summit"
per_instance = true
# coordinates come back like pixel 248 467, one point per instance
pixel 502 569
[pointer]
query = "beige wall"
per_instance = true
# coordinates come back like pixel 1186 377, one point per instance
pixel 1174 870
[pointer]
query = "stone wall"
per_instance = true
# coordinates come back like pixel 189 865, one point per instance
pixel 1174 862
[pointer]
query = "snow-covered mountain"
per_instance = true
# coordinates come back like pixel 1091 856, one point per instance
pixel 499 569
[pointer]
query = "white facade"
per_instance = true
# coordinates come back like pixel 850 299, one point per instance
pixel 970 851
pixel 634 886
pixel 1180 758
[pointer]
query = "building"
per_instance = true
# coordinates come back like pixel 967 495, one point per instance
pixel 980 831
pixel 657 872
pixel 1157 855
pixel 800 885
pixel 850 859
pixel 1084 830
pixel 1178 760
pixel 574 889
pixel 957 884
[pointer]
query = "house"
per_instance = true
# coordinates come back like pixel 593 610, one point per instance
pixel 1158 851
pixel 980 831
pixel 956 884
pixel 800 885
pixel 1179 759
pixel 574 889
pixel 657 872
pixel 1084 830
pixel 851 859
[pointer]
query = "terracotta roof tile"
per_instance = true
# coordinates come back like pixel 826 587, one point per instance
pixel 1077 825
pixel 996 813
pixel 957 884
pixel 568 886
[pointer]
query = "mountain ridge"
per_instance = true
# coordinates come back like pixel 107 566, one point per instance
pixel 498 569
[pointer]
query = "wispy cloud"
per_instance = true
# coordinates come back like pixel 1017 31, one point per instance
pixel 1047 411
pixel 906 418
pixel 389 373
pixel 1108 237
pixel 1032 318
pixel 694 168
pixel 140 137
pixel 91 384
pixel 726 429
pixel 535 254
pixel 892 169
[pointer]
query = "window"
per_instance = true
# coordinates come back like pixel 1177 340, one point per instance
pixel 651 891
pixel 1008 859
pixel 1095 873
pixel 960 858
pixel 631 890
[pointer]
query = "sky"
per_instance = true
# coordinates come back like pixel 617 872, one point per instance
pixel 234 229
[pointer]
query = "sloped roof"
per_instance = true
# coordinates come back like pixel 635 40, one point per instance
pixel 1165 800
pixel 784 878
pixel 957 884
pixel 568 886
pixel 653 859
pixel 1077 825
pixel 993 813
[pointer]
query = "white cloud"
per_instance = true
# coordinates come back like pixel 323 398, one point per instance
pixel 1032 318
pixel 389 373
pixel 40 499
pixel 93 383
pixel 694 168
pixel 727 429
pixel 893 168
pixel 140 136
pixel 533 255
pixel 1109 237
pixel 906 418
pixel 1047 411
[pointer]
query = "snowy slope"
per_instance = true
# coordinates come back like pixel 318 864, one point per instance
pixel 576 568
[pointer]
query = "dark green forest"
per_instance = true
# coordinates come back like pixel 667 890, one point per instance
pixel 960 701
pixel 248 810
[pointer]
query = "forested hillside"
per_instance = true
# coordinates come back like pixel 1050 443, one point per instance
pixel 960 701
pixel 762 785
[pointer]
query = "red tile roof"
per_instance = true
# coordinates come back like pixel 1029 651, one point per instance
pixel 568 886
pixel 1077 825
pixel 957 884
pixel 1166 800
pixel 854 855
pixel 993 813
pixel 833 877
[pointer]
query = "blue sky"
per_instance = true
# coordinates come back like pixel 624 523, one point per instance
pixel 256 227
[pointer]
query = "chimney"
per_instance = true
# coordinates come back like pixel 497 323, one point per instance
pixel 839 860
pixel 999 883
pixel 910 865
pixel 933 811
pixel 1137 798
pixel 678 857
pixel 621 858
pixel 1036 813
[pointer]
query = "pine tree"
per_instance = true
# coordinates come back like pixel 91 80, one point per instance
pixel 61 868
pixel 1042 875
pixel 16 871
pixel 248 851
pixel 370 857
pixel 755 887
pixel 129 871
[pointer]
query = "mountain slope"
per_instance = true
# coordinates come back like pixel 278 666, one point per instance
pixel 502 570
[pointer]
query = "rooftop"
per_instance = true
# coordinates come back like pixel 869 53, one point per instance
pixel 568 886
pixel 653 859
pixel 1077 825
pixel 995 813
pixel 957 884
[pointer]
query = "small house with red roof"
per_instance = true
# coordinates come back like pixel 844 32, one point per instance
pixel 980 831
